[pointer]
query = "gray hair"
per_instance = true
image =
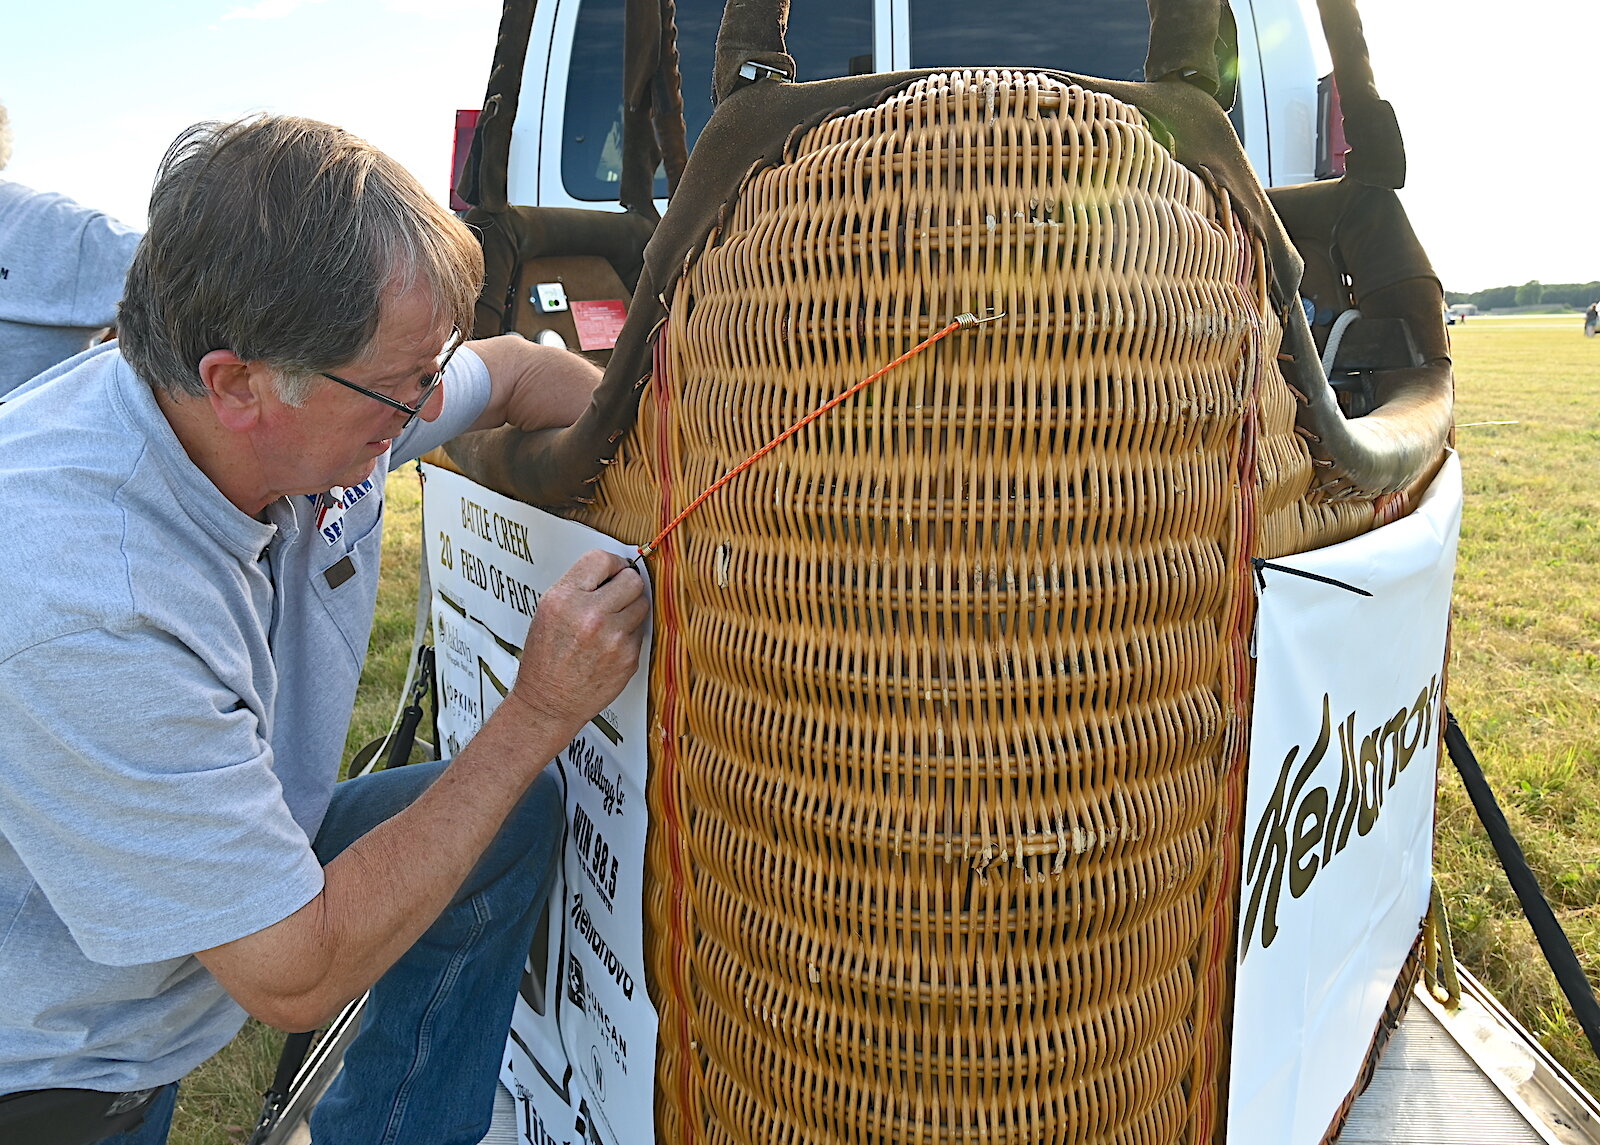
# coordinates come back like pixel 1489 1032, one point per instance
pixel 279 238
pixel 294 386
pixel 5 137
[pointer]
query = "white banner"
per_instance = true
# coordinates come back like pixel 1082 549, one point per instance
pixel 580 1058
pixel 1338 824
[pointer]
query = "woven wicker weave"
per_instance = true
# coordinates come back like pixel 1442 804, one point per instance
pixel 950 692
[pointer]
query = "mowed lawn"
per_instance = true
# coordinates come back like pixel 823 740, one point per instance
pixel 1525 660
pixel 1524 683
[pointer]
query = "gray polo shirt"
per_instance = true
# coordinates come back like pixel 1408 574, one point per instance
pixel 176 682
pixel 62 269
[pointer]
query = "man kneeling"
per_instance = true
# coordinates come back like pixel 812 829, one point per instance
pixel 200 508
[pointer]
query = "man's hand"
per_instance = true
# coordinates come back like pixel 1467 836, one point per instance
pixel 387 887
pixel 583 644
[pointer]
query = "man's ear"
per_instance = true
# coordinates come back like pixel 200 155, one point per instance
pixel 234 388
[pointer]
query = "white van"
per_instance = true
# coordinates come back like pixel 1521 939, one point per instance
pixel 566 144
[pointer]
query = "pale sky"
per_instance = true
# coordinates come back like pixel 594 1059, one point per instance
pixel 1502 184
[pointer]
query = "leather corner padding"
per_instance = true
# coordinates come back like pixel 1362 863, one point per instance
pixel 1386 450
pixel 1354 229
pixel 1347 229
pixel 750 128
pixel 492 140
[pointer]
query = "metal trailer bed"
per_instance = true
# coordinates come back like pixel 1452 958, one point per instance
pixel 1472 1077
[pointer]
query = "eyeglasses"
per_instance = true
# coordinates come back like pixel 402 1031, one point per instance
pixel 428 386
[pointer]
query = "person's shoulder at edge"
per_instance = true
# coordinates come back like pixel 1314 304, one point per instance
pixel 68 456
pixel 17 198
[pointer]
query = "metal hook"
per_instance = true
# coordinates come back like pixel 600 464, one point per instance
pixel 968 321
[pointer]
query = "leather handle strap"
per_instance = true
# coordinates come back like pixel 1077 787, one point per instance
pixel 491 144
pixel 1377 155
pixel 1196 41
pixel 752 32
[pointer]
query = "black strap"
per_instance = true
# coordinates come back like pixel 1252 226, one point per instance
pixel 1260 563
pixel 1552 939
pixel 411 716
pixel 71 1116
pixel 295 1049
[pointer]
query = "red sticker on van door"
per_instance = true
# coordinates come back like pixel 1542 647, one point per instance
pixel 598 323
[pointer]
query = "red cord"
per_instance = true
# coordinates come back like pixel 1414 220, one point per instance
pixel 955 324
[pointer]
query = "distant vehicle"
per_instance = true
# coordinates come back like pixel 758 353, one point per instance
pixel 566 143
pixel 1459 312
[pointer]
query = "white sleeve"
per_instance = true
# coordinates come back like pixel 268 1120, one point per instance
pixel 466 394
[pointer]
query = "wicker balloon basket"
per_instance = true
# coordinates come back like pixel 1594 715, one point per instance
pixel 950 692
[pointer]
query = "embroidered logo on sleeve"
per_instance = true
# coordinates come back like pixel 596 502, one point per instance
pixel 333 505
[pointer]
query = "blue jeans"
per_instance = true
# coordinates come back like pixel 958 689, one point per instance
pixel 424 1067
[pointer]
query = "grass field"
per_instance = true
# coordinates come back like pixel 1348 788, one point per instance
pixel 1524 683
pixel 1525 663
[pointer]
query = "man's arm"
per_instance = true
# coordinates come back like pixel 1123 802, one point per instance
pixel 533 387
pixel 389 886
pixel 545 436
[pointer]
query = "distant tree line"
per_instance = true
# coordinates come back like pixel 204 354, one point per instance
pixel 1532 293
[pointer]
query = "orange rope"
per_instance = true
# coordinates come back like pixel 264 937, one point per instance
pixel 960 321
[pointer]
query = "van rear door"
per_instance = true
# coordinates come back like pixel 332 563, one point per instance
pixel 566 150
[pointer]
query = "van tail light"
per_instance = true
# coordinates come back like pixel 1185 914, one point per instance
pixel 466 124
pixel 1331 144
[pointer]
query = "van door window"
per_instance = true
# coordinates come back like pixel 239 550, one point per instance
pixel 1108 39
pixel 827 38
